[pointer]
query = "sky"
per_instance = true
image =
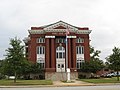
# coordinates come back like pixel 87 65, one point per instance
pixel 101 16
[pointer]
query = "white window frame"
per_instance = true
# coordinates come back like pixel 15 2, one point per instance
pixel 60 40
pixel 79 40
pixel 80 49
pixel 41 40
pixel 60 52
pixel 42 63
pixel 79 63
pixel 40 49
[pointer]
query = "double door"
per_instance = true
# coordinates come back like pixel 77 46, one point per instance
pixel 60 65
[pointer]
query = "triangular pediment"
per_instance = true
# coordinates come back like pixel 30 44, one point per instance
pixel 60 25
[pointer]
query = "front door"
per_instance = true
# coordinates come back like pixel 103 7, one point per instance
pixel 60 59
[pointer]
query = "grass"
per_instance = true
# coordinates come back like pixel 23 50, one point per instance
pixel 25 82
pixel 101 80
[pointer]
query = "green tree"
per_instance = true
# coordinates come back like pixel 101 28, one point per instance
pixel 94 54
pixel 95 64
pixel 15 56
pixel 6 68
pixel 113 60
pixel 37 68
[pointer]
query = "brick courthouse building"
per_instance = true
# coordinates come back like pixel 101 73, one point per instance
pixel 47 45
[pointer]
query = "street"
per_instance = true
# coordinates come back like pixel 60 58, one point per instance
pixel 112 87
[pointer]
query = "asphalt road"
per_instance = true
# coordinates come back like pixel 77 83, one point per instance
pixel 112 87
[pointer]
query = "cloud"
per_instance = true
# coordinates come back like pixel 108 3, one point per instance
pixel 101 16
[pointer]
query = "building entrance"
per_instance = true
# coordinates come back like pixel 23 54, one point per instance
pixel 60 59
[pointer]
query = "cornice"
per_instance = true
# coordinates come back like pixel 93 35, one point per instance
pixel 59 30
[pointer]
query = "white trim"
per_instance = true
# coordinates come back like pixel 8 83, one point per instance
pixel 59 30
pixel 36 31
pixel 83 31
pixel 67 26
pixel 49 36
pixel 71 36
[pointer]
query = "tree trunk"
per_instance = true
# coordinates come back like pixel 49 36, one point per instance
pixel 15 77
pixel 117 76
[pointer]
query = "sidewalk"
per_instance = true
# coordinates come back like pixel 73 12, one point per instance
pixel 74 83
pixel 62 84
pixel 55 84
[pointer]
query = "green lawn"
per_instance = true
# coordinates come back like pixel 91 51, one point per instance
pixel 26 82
pixel 101 80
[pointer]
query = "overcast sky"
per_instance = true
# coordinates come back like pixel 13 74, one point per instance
pixel 101 16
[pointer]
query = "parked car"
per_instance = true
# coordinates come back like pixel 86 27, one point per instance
pixel 11 77
pixel 110 74
pixel 116 73
pixel 113 74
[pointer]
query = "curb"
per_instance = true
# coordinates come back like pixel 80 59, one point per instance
pixel 65 85
pixel 38 86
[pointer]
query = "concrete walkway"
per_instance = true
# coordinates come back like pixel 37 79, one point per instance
pixel 73 83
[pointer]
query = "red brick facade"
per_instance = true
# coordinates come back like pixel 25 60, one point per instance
pixel 50 33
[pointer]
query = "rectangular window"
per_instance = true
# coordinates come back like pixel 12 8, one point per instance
pixel 60 54
pixel 41 40
pixel 79 63
pixel 58 65
pixel 79 40
pixel 60 40
pixel 40 50
pixel 62 66
pixel 80 49
pixel 41 63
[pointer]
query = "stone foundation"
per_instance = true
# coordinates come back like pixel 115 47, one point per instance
pixel 60 76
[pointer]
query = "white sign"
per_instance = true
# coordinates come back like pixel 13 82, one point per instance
pixel 71 36
pixel 49 36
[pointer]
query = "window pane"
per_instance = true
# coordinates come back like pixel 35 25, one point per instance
pixel 77 65
pixel 62 66
pixel 80 64
pixel 40 50
pixel 82 50
pixel 63 54
pixel 60 54
pixel 58 65
pixel 57 54
pixel 79 50
pixel 43 50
